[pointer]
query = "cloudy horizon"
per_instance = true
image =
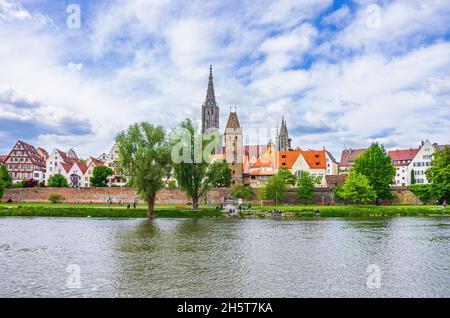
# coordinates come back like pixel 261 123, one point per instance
pixel 342 73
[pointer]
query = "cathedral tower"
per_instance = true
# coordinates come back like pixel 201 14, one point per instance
pixel 234 148
pixel 284 142
pixel 210 110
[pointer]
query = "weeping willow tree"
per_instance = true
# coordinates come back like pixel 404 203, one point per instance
pixel 145 159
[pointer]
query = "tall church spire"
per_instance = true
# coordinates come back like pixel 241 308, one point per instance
pixel 210 96
pixel 210 109
pixel 284 142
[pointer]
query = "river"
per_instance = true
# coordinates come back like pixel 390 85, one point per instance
pixel 87 257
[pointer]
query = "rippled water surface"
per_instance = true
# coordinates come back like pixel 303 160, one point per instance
pixel 224 258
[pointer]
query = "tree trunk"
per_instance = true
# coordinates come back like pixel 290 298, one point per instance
pixel 195 203
pixel 151 205
pixel 377 202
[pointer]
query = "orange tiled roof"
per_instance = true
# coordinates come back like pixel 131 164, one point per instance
pixel 316 159
pixel 286 159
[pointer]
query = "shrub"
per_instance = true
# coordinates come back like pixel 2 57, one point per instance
pixel 242 192
pixel 55 198
pixel 57 181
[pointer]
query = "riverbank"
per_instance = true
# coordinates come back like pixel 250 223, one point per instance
pixel 171 211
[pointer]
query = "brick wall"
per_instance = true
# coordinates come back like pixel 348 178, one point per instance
pixel 101 195
pixel 166 196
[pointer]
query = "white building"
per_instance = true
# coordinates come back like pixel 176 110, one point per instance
pixel 420 163
pixel 55 160
pixel 112 161
pixel 401 158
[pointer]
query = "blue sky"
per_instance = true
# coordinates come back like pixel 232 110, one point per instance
pixel 343 73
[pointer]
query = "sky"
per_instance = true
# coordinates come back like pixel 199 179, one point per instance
pixel 342 73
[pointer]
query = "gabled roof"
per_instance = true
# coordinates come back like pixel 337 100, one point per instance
pixel 316 159
pixel 66 166
pixel 30 152
pixel 349 156
pixel 286 159
pixel 96 162
pixel 3 158
pixel 81 165
pixel 403 154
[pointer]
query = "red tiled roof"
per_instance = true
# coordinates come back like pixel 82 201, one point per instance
pixel 66 166
pixel 403 154
pixel 81 165
pixel 316 159
pixel 286 159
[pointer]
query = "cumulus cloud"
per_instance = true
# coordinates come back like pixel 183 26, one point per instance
pixel 337 81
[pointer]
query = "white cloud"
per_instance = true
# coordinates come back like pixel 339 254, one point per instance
pixel 140 60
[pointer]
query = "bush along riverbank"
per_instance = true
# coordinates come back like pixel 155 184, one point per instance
pixel 285 212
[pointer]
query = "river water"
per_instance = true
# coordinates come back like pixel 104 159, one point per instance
pixel 82 257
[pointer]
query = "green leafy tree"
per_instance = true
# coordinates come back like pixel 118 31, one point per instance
pixel 191 156
pixel 275 189
pixel 413 177
pixel 5 177
pixel 422 192
pixel 287 175
pixel 145 155
pixel 2 188
pixel 357 189
pixel 220 175
pixel 57 181
pixel 439 174
pixel 100 176
pixel 242 192
pixel 306 187
pixel 339 193
pixel 377 166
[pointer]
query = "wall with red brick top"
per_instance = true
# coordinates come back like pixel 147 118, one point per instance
pixel 166 196
pixel 101 195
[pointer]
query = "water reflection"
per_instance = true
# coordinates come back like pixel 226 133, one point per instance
pixel 224 258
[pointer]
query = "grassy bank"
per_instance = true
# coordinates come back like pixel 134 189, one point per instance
pixel 361 211
pixel 98 212
pixel 173 211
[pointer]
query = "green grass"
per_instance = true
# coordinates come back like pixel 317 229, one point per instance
pixel 360 211
pixel 184 211
pixel 79 211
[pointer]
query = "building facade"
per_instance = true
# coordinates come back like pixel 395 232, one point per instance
pixel 401 158
pixel 59 162
pixel 25 163
pixel 348 158
pixel 420 163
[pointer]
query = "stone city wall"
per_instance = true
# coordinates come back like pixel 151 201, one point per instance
pixel 166 196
